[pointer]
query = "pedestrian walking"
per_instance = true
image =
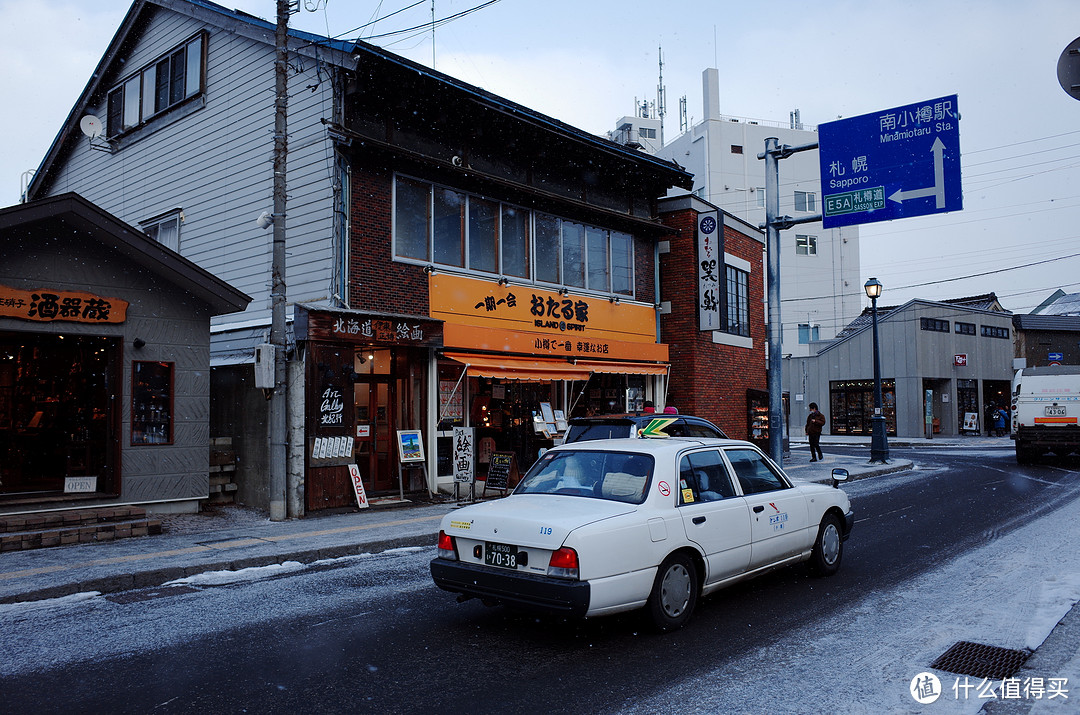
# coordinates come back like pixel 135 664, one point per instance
pixel 814 422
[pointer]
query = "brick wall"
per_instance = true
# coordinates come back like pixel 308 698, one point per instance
pixel 376 282
pixel 707 379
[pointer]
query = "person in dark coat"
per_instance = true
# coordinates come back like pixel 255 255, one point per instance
pixel 814 422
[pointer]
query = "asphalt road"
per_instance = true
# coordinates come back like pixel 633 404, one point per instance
pixel 374 635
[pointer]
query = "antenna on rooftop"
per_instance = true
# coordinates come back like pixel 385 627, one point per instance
pixel 661 92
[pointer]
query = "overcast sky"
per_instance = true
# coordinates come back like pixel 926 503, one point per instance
pixel 585 63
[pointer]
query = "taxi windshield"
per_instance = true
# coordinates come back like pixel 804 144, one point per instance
pixel 615 476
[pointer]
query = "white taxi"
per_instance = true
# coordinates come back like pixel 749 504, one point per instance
pixel 600 527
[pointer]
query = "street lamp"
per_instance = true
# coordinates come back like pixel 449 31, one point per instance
pixel 879 445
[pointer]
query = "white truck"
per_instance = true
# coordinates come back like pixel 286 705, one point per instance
pixel 1045 410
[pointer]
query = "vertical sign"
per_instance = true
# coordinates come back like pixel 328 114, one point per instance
pixel 358 486
pixel 710 266
pixel 464 455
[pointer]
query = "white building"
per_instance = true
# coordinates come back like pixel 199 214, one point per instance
pixel 820 286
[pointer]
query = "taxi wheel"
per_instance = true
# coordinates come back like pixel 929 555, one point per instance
pixel 674 593
pixel 828 548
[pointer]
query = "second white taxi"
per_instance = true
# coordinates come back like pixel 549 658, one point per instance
pixel 596 528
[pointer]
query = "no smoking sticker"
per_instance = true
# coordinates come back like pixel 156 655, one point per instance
pixel 664 488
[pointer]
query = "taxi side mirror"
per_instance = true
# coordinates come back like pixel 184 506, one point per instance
pixel 839 476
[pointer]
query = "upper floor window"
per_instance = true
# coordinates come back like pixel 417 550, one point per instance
pixel 808 332
pixel 647 133
pixel 166 82
pixel 446 227
pixel 736 148
pixel 805 201
pixel 991 331
pixel 805 245
pixel 940 326
pixel 164 229
pixel 965 328
pixel 737 315
pixel 760 196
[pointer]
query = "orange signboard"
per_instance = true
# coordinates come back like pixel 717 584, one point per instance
pixel 47 305
pixel 481 314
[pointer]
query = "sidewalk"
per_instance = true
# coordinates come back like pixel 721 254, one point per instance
pixel 231 538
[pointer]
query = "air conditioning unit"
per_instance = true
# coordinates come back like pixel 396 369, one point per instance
pixel 264 366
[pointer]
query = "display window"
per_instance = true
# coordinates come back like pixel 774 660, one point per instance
pixel 57 418
pixel 151 403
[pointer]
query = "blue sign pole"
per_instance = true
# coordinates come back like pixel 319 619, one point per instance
pixel 891 164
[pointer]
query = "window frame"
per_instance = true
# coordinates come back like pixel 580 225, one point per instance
pixel 737 301
pixel 809 201
pixel 603 259
pixel 807 246
pixel 152 227
pixel 994 331
pixel 964 328
pixel 935 325
pixel 125 113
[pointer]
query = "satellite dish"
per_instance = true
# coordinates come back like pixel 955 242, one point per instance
pixel 90 126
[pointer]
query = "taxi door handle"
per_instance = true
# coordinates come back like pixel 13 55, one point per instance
pixel 699 520
pixel 759 509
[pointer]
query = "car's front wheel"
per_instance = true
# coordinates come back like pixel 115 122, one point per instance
pixel 674 593
pixel 828 547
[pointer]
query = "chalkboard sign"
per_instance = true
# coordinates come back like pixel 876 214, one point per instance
pixel 498 476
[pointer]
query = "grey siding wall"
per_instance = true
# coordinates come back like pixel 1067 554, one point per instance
pixel 174 326
pixel 215 162
pixel 909 355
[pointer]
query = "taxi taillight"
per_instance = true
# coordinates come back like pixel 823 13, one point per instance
pixel 563 563
pixel 447 549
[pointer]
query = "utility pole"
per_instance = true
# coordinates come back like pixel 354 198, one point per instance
pixel 774 224
pixel 278 399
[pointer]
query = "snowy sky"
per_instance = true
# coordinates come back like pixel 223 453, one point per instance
pixel 586 63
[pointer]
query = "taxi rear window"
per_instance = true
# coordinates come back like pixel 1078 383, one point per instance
pixel 614 476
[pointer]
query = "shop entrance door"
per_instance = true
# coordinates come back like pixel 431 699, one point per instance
pixel 375 416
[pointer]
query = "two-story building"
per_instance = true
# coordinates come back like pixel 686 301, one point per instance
pixel 454 259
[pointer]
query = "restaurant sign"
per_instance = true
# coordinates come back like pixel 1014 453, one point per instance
pixel 367 328
pixel 47 305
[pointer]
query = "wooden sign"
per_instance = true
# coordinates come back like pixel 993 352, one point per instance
pixel 46 305
pixel 498 476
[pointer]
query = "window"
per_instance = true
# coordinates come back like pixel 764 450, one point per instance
pixel 483 235
pixel 622 263
pixel 451 228
pixel 703 477
pixel 805 245
pixel 547 249
pixel 939 326
pixel 754 473
pixel 965 328
pixel 515 241
pixel 805 201
pixel 760 196
pixel 736 149
pixel 151 403
pixel 164 229
pixel 448 221
pixel 647 133
pixel 990 331
pixel 596 243
pixel 166 82
pixel 412 219
pixel 808 332
pixel 738 302
pixel 573 254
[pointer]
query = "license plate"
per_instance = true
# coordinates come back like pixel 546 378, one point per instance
pixel 501 555
pixel 1055 410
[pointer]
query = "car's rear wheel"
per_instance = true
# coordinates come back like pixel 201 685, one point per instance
pixel 828 547
pixel 674 593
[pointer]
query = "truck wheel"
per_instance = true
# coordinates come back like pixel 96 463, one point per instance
pixel 1024 454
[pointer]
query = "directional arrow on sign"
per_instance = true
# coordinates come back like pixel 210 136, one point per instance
pixel 938 189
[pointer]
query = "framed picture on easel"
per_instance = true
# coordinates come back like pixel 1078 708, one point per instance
pixel 410 445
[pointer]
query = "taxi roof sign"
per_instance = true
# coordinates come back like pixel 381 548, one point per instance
pixel 656 427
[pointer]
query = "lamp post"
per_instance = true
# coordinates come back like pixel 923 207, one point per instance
pixel 879 445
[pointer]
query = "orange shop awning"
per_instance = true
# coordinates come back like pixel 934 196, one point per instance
pixel 625 368
pixel 512 367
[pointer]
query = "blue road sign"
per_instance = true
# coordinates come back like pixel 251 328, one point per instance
pixel 891 164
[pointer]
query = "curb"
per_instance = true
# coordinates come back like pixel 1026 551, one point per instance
pixel 160 576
